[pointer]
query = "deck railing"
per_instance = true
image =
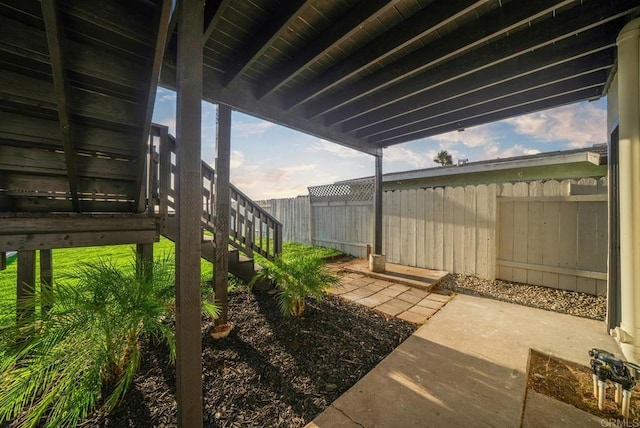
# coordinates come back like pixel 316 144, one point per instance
pixel 252 229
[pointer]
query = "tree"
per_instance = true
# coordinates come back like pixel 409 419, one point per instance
pixel 443 158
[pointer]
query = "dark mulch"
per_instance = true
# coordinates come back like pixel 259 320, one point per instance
pixel 271 371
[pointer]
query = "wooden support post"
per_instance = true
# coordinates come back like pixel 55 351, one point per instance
pixel 3 260
pixel 377 205
pixel 46 281
pixel 223 210
pixel 25 298
pixel 188 211
pixel 144 259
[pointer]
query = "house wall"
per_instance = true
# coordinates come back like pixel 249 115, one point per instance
pixel 575 170
pixel 550 233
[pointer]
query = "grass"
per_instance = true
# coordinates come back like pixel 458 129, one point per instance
pixel 66 259
pixel 293 249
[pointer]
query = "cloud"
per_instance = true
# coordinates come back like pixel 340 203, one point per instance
pixel 493 151
pixel 237 159
pixel 320 145
pixel 580 125
pixel 408 156
pixel 171 123
pixel 251 129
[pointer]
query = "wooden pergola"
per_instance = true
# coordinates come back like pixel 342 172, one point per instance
pixel 78 81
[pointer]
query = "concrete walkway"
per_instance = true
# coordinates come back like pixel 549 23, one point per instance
pixel 467 367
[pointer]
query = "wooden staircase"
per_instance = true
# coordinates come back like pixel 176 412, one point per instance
pixel 80 162
pixel 253 230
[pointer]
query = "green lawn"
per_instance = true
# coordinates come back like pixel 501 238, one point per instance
pixel 64 261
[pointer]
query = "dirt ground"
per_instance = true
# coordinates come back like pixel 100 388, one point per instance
pixel 271 371
pixel 573 384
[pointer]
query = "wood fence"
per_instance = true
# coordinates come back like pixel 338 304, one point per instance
pixel 294 214
pixel 551 233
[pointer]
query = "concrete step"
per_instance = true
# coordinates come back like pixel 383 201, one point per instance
pixel 421 278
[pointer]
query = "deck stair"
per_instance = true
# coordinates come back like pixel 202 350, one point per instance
pixel 253 230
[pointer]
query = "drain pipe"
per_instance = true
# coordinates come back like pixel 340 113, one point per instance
pixel 628 334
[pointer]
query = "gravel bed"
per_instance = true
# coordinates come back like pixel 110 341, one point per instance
pixel 551 299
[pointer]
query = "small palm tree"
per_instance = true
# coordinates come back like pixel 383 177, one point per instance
pixel 85 350
pixel 443 158
pixel 296 278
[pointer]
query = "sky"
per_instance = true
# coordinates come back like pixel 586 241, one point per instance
pixel 271 161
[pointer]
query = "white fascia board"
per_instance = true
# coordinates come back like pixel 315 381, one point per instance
pixel 498 165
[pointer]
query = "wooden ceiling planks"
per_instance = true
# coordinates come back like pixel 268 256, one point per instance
pixel 107 67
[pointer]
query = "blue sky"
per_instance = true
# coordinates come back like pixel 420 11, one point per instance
pixel 270 161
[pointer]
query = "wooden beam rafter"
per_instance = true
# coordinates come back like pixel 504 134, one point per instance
pixel 561 73
pixel 213 11
pixel 399 37
pixel 487 106
pixel 56 41
pixel 592 93
pixel 404 78
pixel 160 31
pixel 444 86
pixel 344 28
pixel 282 19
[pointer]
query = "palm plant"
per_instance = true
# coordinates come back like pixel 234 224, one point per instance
pixel 85 350
pixel 443 158
pixel 296 278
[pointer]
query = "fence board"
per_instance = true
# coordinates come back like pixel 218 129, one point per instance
pixel 520 230
pixel 482 230
pixel 567 247
pixel 505 233
pixel 394 233
pixel 421 247
pixel 438 228
pixel 586 257
pixel 448 240
pixel 535 232
pixel 550 247
pixel 470 230
pixel 429 231
pixel 458 229
pixel 408 219
pixel 492 191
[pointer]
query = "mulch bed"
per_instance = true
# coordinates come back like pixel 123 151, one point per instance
pixel 271 370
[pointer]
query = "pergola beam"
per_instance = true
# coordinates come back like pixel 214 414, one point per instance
pixel 526 108
pixel 56 41
pixel 552 30
pixel 338 32
pixel 279 22
pixel 562 76
pixel 399 37
pixel 535 63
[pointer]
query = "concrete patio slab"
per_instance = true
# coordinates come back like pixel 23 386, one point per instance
pixel 543 411
pixel 465 367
